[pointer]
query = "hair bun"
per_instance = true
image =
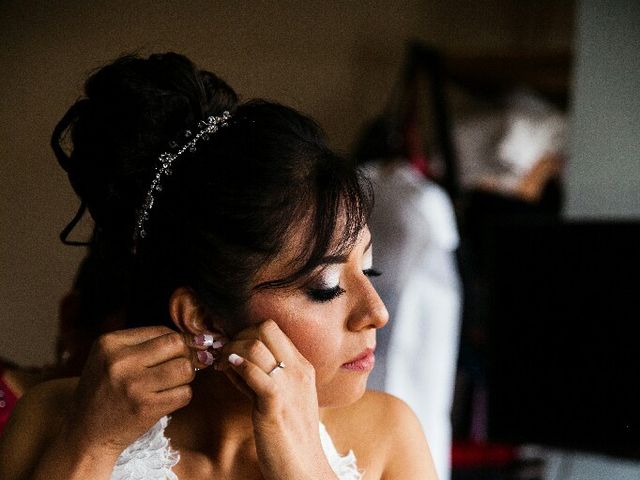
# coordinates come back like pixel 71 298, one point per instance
pixel 133 108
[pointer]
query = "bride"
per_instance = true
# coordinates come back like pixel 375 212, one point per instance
pixel 234 243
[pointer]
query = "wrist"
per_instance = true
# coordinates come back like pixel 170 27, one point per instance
pixel 90 445
pixel 323 471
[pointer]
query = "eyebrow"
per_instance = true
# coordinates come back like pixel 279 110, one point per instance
pixel 330 259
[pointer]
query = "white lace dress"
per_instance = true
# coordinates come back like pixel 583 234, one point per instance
pixel 152 458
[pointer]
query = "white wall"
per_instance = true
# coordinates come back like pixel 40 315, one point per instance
pixel 604 171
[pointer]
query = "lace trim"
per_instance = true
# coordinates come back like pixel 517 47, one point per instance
pixel 148 458
pixel 152 458
pixel 344 466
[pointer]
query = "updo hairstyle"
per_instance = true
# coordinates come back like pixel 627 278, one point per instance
pixel 226 210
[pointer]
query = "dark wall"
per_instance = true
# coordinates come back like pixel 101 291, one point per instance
pixel 337 61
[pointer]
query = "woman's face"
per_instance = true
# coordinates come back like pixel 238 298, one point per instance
pixel 331 321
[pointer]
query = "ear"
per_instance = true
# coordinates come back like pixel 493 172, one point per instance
pixel 186 313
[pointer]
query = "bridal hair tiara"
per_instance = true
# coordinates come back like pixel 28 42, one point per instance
pixel 207 127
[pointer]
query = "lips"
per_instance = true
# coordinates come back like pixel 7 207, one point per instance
pixel 363 362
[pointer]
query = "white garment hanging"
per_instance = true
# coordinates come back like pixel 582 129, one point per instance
pixel 152 458
pixel 415 236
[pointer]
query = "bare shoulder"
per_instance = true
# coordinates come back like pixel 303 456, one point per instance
pixel 386 436
pixel 45 402
pixel 375 414
pixel 36 419
pixel 59 391
pixel 388 407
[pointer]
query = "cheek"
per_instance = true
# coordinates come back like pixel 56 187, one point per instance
pixel 315 340
pixel 319 333
pixel 313 329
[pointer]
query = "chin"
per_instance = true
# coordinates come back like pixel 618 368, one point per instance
pixel 342 393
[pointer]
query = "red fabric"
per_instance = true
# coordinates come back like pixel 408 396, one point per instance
pixel 8 401
pixel 469 454
pixel 414 143
pixel 417 157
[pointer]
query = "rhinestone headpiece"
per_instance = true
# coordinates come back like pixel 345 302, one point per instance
pixel 206 127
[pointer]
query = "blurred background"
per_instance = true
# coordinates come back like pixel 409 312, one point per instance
pixel 522 121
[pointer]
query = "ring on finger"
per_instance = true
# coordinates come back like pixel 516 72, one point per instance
pixel 277 367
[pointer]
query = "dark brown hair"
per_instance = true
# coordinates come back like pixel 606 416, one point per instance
pixel 227 209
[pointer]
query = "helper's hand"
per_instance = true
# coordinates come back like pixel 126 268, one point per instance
pixel 133 378
pixel 285 402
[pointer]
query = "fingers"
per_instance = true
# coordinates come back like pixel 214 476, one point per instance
pixel 205 348
pixel 160 349
pixel 255 378
pixel 248 359
pixel 134 336
pixel 175 372
pixel 270 334
pixel 168 375
pixel 173 399
pixel 252 349
pixel 206 340
pixel 176 345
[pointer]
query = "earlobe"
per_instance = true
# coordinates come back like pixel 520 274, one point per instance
pixel 186 312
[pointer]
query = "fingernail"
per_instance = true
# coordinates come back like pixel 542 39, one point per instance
pixel 205 357
pixel 235 360
pixel 218 343
pixel 203 340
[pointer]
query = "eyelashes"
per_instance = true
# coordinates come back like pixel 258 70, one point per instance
pixel 370 272
pixel 322 295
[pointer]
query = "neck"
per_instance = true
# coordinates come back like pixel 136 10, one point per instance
pixel 218 417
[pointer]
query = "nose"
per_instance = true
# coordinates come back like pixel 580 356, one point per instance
pixel 369 310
